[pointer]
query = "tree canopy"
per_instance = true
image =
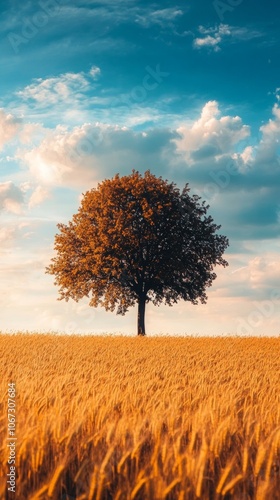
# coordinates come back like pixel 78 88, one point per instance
pixel 137 239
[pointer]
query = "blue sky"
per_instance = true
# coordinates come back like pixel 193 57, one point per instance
pixel 189 90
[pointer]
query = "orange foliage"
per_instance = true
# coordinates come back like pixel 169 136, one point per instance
pixel 137 239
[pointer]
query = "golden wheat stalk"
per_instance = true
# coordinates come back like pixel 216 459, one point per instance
pixel 170 487
pixel 224 476
pixel 261 454
pixel 58 471
pixel 137 488
pixel 39 493
pixel 232 483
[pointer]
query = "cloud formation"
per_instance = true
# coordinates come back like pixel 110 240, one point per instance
pixel 211 135
pixel 213 37
pixel 85 154
pixel 11 197
pixel 37 197
pixel 64 87
pixel 200 150
pixel 161 17
pixel 9 127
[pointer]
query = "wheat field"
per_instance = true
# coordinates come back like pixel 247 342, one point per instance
pixel 103 417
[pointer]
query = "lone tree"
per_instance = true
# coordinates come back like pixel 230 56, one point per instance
pixel 137 239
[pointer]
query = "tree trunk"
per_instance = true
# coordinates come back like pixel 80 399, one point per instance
pixel 141 315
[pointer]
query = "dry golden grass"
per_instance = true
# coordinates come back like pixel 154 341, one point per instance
pixel 102 418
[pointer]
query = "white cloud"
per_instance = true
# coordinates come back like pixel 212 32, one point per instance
pixel 208 41
pixel 61 88
pixel 31 132
pixel 267 152
pixel 52 90
pixel 259 274
pixel 9 126
pixel 261 162
pixel 271 130
pixel 11 197
pixel 245 159
pixel 247 155
pixel 222 29
pixel 64 157
pixel 211 134
pixel 39 195
pixel 264 271
pixel 81 156
pixel 95 72
pixel 86 154
pixel 213 37
pixel 161 17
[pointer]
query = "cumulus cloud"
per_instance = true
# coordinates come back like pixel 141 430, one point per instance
pixel 247 155
pixel 211 135
pixel 266 161
pixel 61 88
pixel 9 127
pixel 95 72
pixel 210 152
pixel 63 157
pixel 208 41
pixel 31 132
pixel 11 197
pixel 271 132
pixel 260 163
pixel 213 37
pixel 86 154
